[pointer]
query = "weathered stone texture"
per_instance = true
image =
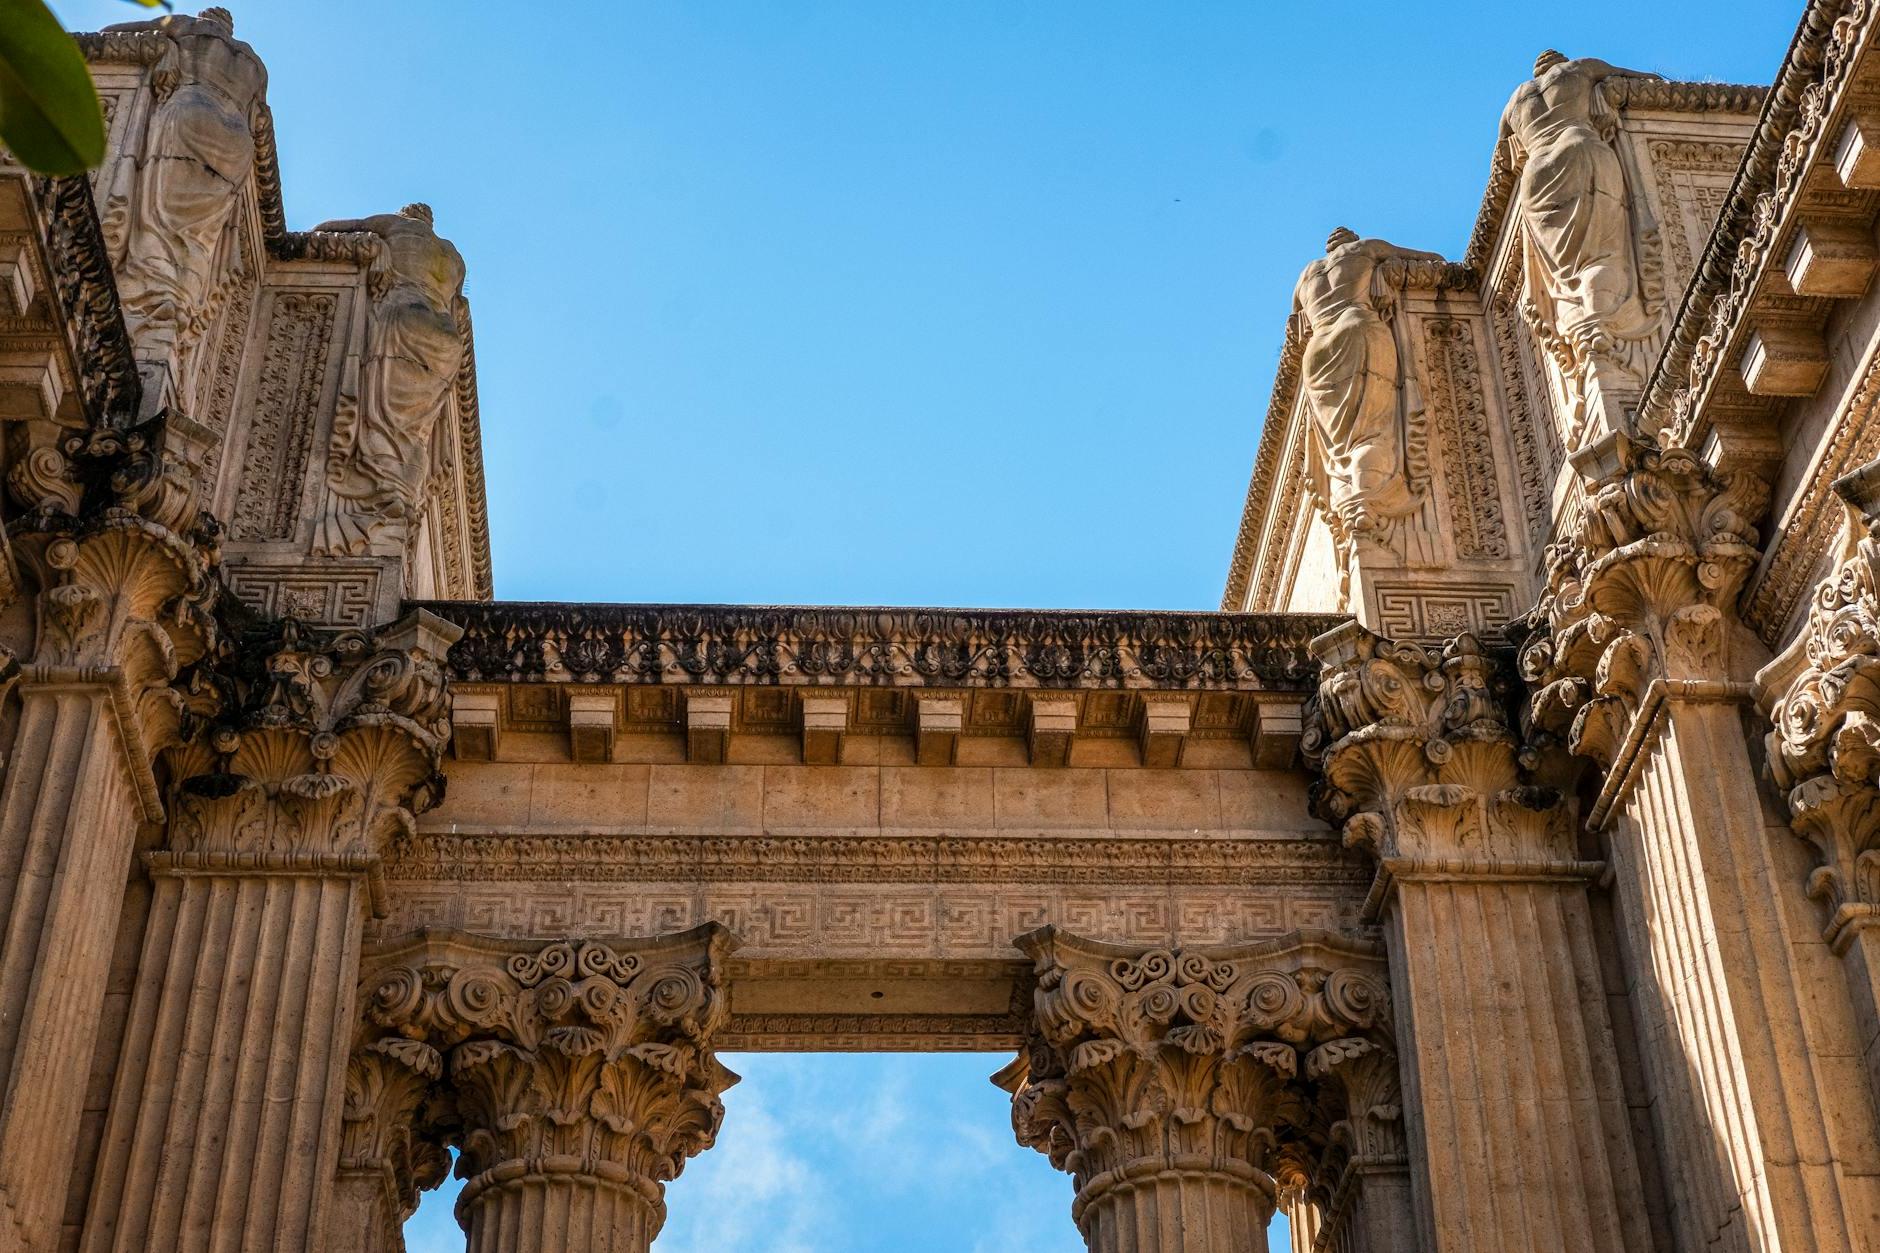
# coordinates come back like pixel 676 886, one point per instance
pixel 1497 871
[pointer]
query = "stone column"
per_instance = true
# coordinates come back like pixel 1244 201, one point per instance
pixel 1640 665
pixel 225 1119
pixel 122 603
pixel 1518 1136
pixel 1164 1080
pixel 576 1080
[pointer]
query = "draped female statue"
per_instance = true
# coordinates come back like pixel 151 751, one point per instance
pixel 1584 293
pixel 1359 395
pixel 380 455
pixel 197 155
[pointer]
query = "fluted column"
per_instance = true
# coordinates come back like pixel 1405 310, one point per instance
pixel 1641 666
pixel 121 605
pixel 1165 1080
pixel 1517 1125
pixel 224 1127
pixel 575 1081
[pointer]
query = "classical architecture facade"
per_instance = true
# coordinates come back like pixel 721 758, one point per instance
pixel 1499 869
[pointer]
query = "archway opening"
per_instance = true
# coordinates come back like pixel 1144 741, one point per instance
pixel 852 1153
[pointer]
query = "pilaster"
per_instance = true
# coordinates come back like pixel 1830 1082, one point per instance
pixel 119 556
pixel 225 1116
pixel 1171 1084
pixel 574 1081
pixel 1639 663
pixel 1824 754
pixel 1516 1120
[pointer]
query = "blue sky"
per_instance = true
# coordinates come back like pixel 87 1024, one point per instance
pixel 877 301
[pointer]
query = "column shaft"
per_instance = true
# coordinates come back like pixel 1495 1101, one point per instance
pixel 1511 1084
pixel 1177 1211
pixel 361 1217
pixel 557 1212
pixel 1761 1110
pixel 224 1124
pixel 1383 1213
pixel 68 820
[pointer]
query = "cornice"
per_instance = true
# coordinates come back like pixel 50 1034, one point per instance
pixel 88 300
pixel 733 645
pixel 1722 273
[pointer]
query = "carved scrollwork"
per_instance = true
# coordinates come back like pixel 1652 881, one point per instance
pixel 578 1059
pixel 1640 592
pixel 325 745
pixel 1147 1063
pixel 1824 748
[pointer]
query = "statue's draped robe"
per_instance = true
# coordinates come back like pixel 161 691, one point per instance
pixel 1352 378
pixel 1583 276
pixel 198 156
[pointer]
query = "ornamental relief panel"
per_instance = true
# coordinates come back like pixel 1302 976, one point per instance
pixel 285 402
pixel 1466 449
pixel 796 921
pixel 1691 179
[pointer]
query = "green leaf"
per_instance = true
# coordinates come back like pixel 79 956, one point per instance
pixel 49 112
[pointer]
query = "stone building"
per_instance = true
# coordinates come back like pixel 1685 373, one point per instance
pixel 1499 869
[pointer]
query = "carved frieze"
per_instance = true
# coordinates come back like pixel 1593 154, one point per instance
pixel 1692 179
pixel 900 647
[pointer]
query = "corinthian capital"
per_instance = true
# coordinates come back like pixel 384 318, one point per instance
pixel 1417 755
pixel 1643 590
pixel 1824 750
pixel 326 747
pixel 1147 1067
pixel 581 1059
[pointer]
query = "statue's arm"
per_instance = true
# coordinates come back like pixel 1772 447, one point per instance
pixel 346 225
pixel 1599 71
pixel 155 23
pixel 1384 250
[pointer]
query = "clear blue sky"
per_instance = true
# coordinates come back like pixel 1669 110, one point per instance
pixel 955 302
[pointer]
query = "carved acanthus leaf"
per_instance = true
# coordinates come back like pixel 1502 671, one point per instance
pixel 579 1057
pixel 1642 590
pixel 1148 1060
pixel 1418 756
pixel 327 744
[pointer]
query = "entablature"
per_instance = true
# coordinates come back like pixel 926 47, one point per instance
pixel 726 684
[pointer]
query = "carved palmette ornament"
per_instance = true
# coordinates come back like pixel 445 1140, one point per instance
pixel 1203 1061
pixel 580 1058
